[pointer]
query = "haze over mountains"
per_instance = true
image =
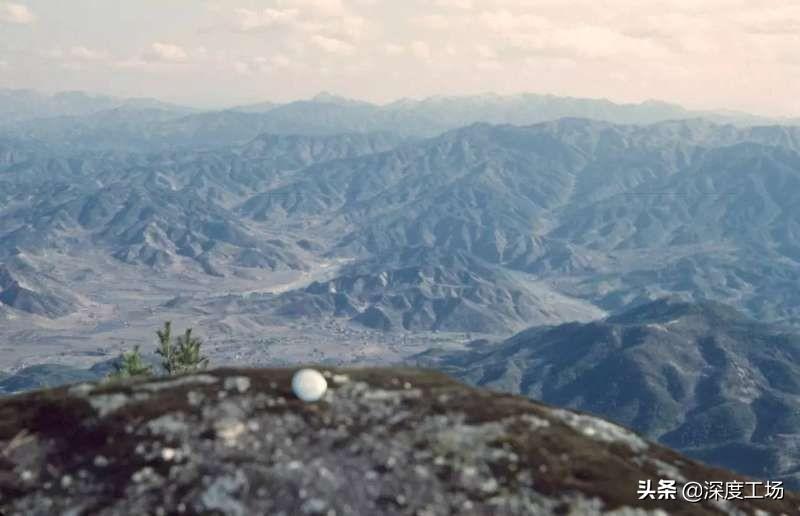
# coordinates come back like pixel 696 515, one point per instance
pixel 73 120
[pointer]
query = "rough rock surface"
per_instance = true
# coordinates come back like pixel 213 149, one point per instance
pixel 382 441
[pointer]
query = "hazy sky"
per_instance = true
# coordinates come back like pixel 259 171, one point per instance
pixel 739 54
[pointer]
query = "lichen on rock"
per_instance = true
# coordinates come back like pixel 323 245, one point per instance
pixel 381 441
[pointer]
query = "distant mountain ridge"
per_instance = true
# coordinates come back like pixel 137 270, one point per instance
pixel 76 120
pixel 448 112
pixel 17 105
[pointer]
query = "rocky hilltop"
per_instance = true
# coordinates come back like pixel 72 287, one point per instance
pixel 382 441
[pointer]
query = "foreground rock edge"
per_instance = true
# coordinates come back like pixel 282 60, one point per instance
pixel 381 441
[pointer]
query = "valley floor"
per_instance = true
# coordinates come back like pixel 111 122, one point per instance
pixel 139 302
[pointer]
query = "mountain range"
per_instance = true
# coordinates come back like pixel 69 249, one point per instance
pixel 344 232
pixel 698 377
pixel 472 230
pixel 607 214
pixel 77 120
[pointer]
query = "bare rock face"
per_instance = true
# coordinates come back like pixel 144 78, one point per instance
pixel 381 441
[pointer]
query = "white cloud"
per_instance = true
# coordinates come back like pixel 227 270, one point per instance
pixel 715 7
pixel 393 49
pixel 53 53
pixel 504 21
pixel 250 20
pixel 317 7
pixel 454 4
pixel 589 44
pixel 435 21
pixel 261 64
pixel 166 52
pixel 242 68
pixel 485 51
pixel 16 13
pixel 326 25
pixel 771 20
pixel 332 45
pixel 87 54
pixel 519 32
pixel 280 61
pixel 680 32
pixel 76 57
pixel 489 65
pixel 630 6
pixel 72 66
pixel 133 63
pixel 421 50
pixel 586 41
pixel 349 28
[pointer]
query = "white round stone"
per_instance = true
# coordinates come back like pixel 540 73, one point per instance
pixel 309 384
